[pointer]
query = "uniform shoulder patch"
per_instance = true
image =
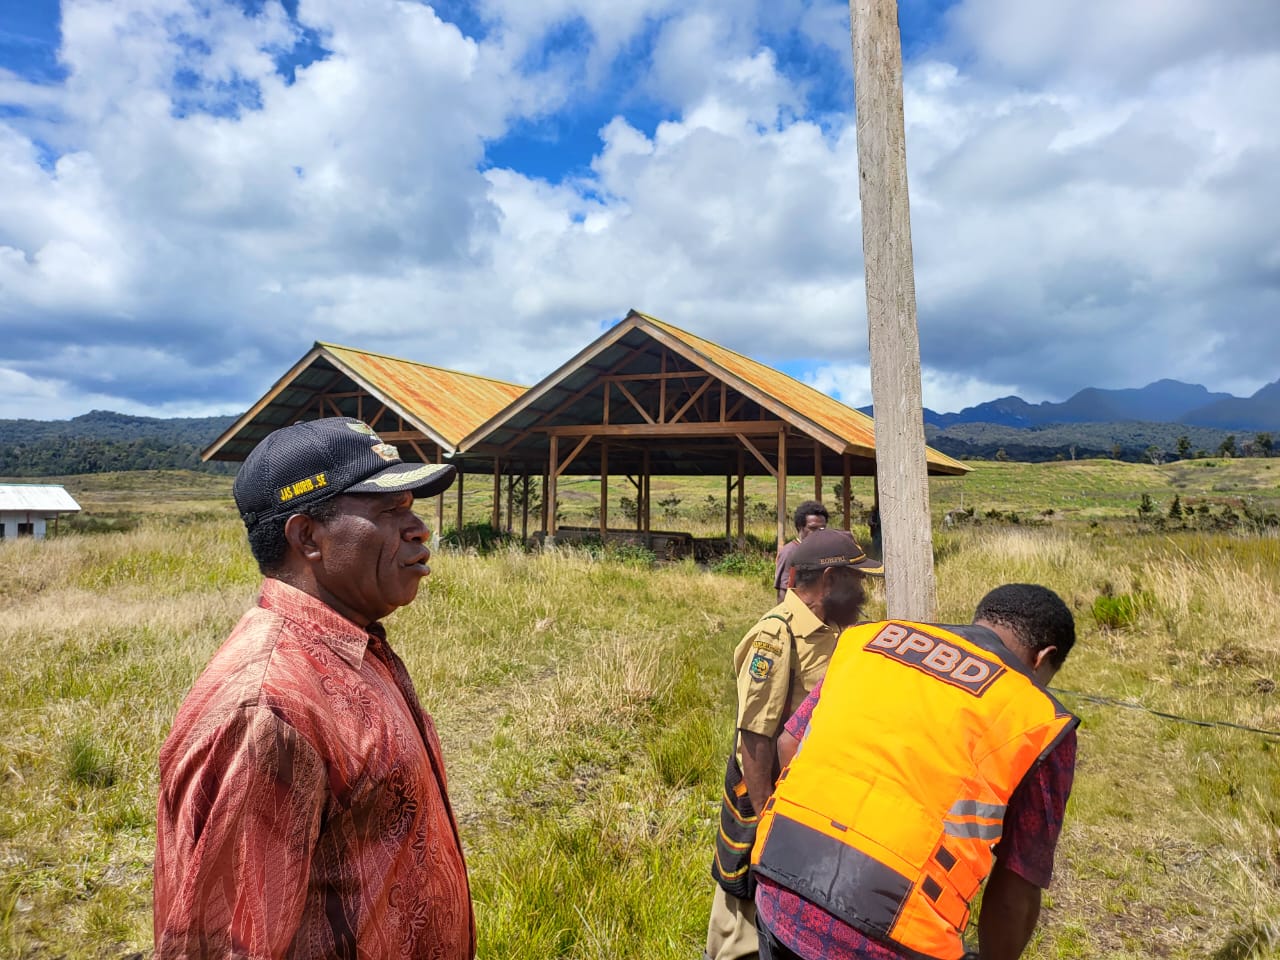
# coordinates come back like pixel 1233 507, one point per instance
pixel 766 646
pixel 760 666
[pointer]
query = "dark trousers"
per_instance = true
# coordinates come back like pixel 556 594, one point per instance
pixel 771 948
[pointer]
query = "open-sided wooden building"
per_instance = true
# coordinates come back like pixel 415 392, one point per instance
pixel 423 410
pixel 648 399
pixel 644 399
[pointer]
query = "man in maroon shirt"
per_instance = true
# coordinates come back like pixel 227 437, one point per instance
pixel 810 517
pixel 303 809
pixel 792 928
pixel 1025 853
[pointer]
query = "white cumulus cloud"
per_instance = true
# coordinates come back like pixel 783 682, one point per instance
pixel 1094 193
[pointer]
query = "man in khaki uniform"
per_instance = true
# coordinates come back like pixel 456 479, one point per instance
pixel 778 662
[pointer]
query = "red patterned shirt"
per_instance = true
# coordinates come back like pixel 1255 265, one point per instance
pixel 303 808
pixel 1031 827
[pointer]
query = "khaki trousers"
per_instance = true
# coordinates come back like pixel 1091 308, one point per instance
pixel 731 931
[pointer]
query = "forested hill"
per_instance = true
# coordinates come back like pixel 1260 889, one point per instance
pixel 102 441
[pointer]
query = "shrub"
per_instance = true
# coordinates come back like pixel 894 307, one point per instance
pixel 710 509
pixel 761 544
pixel 746 564
pixel 98 523
pixel 626 552
pixel 632 554
pixel 481 535
pixel 1120 611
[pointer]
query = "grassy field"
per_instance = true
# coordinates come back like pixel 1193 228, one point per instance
pixel 1063 492
pixel 585 704
pixel 1070 491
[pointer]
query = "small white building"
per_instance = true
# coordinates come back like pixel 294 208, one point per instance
pixel 27 508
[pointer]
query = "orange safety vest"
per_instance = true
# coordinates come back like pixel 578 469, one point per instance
pixel 892 831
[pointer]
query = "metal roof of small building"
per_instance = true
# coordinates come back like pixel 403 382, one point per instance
pixel 36 498
pixel 444 405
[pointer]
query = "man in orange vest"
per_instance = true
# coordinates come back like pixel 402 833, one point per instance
pixel 931 758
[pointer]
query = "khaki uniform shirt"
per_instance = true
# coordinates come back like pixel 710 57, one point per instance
pixel 774 679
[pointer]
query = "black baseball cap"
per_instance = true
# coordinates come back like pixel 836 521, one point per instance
pixel 833 548
pixel 305 463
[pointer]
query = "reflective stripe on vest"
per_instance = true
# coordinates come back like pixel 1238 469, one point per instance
pixel 892 831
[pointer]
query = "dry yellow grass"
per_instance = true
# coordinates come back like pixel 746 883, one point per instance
pixel 585 706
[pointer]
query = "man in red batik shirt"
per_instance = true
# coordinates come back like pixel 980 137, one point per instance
pixel 303 809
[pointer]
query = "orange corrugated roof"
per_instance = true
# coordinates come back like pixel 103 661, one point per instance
pixel 447 402
pixel 854 428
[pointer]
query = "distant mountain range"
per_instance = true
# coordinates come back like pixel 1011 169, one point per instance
pixel 1165 401
pixel 1157 420
pixel 1133 424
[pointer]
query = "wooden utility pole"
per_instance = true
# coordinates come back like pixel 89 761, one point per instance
pixel 901 469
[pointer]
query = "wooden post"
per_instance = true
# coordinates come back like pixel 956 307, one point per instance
pixel 638 482
pixel 782 487
pixel 545 485
pixel 645 480
pixel 497 494
pixel 742 499
pixel 549 500
pixel 461 476
pixel 728 509
pixel 524 508
pixel 901 469
pixel 604 490
pixel 511 487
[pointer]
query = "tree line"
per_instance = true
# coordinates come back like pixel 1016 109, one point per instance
pixel 71 455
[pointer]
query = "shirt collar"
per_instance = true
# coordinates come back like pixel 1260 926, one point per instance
pixel 803 622
pixel 348 640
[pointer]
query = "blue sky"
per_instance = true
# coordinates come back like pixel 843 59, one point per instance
pixel 196 190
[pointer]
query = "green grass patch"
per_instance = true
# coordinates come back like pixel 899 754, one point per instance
pixel 1112 612
pixel 585 701
pixel 754 565
pixel 87 761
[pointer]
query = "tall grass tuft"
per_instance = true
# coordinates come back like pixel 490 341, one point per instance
pixel 87 762
pixel 1111 612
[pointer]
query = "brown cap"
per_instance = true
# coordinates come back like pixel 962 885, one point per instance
pixel 833 548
